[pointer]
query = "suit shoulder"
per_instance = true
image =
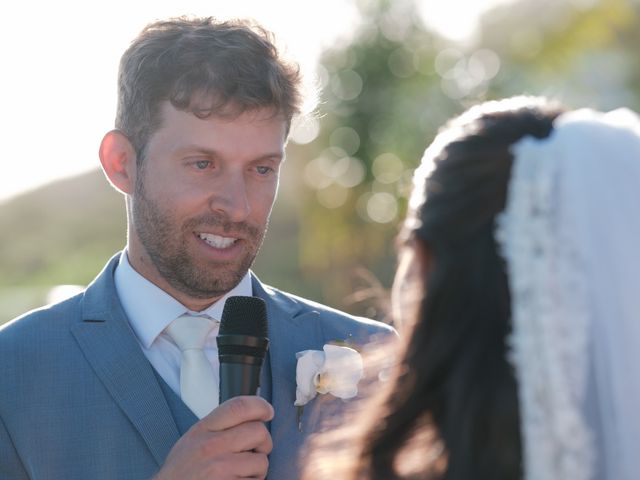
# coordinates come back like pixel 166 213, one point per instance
pixel 330 315
pixel 40 323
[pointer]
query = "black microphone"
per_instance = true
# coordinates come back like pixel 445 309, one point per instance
pixel 242 345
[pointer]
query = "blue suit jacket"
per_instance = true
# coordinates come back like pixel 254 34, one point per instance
pixel 79 400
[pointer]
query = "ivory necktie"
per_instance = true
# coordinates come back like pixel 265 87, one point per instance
pixel 198 388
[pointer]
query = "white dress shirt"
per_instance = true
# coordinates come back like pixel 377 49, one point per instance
pixel 150 310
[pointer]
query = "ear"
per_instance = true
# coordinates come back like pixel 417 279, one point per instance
pixel 118 159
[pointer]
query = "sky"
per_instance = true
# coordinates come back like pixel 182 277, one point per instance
pixel 60 61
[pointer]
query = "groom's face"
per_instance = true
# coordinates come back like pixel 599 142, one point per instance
pixel 202 201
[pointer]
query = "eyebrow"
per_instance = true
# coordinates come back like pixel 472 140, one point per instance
pixel 279 155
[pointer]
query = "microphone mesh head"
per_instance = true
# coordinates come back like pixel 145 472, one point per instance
pixel 244 316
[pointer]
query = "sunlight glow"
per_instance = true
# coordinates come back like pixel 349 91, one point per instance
pixel 456 19
pixel 61 60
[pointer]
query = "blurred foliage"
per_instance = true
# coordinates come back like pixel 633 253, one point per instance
pixel 381 102
pixel 385 93
pixel 581 52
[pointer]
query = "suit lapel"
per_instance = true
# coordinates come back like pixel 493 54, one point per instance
pixel 291 330
pixel 109 344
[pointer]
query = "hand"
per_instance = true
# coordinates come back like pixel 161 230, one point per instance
pixel 231 442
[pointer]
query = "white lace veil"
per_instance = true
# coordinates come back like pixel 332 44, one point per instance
pixel 571 237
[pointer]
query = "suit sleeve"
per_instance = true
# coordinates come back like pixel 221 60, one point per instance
pixel 11 467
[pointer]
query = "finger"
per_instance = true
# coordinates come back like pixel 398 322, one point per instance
pixel 251 465
pixel 265 445
pixel 249 436
pixel 236 411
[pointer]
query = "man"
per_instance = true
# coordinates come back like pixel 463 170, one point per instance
pixel 91 387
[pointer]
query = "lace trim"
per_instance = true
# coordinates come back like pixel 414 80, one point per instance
pixel 549 342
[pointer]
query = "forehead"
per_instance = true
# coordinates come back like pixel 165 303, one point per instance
pixel 230 112
pixel 252 130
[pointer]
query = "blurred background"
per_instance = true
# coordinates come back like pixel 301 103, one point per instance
pixel 390 73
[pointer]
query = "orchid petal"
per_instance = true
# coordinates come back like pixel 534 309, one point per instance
pixel 309 364
pixel 345 366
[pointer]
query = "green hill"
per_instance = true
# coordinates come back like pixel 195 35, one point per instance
pixel 60 233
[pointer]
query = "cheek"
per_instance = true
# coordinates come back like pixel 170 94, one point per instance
pixel 262 199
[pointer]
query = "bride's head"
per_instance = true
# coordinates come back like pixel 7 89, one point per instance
pixel 452 403
pixel 455 295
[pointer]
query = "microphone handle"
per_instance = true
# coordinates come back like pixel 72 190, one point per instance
pixel 238 379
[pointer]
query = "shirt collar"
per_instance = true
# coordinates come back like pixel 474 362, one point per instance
pixel 150 309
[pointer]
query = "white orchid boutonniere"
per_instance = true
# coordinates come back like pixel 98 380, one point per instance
pixel 335 370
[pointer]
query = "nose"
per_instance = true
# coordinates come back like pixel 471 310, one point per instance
pixel 230 198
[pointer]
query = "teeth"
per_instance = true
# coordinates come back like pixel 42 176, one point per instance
pixel 217 241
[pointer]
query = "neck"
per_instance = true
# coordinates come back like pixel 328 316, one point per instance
pixel 143 265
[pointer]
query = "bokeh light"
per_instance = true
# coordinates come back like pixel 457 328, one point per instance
pixel 349 172
pixel 393 23
pixel 387 168
pixel 304 129
pixel 463 75
pixel 317 173
pixel 345 138
pixel 346 85
pixel 378 207
pixel 334 167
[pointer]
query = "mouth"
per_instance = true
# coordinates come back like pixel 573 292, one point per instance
pixel 217 241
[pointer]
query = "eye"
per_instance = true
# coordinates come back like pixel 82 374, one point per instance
pixel 264 170
pixel 202 164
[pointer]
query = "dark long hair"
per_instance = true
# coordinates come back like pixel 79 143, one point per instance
pixel 454 386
